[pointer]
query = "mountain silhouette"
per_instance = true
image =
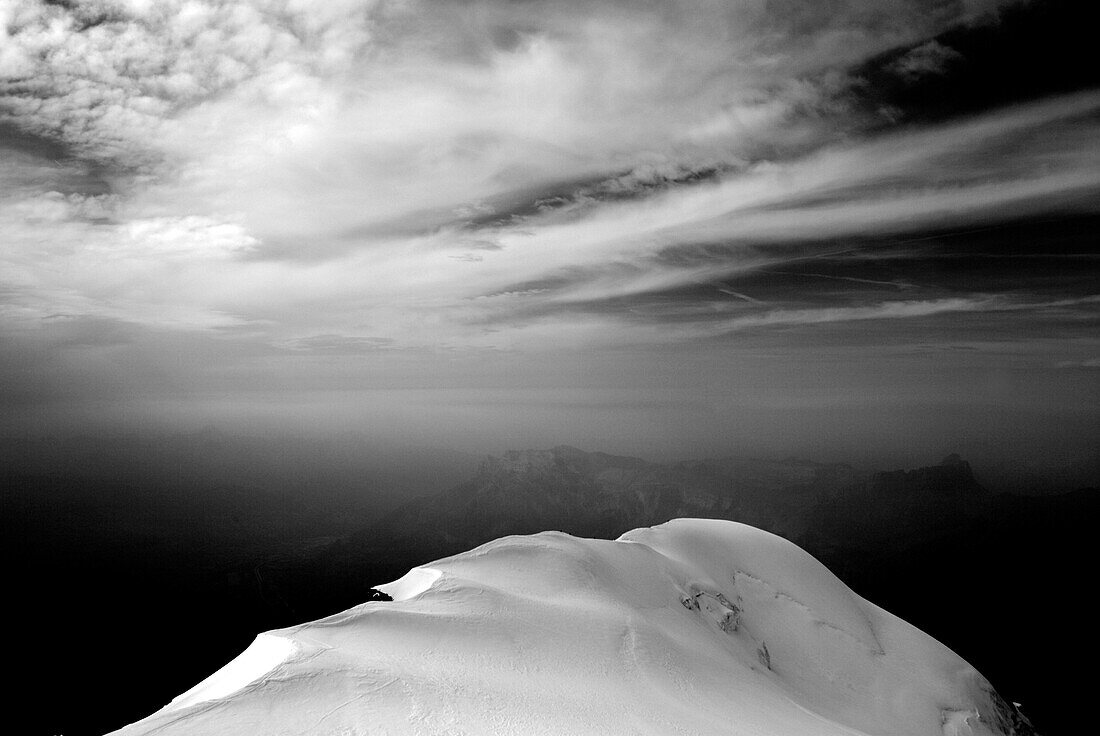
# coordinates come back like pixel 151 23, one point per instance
pixel 594 494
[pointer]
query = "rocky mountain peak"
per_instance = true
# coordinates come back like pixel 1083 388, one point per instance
pixel 953 460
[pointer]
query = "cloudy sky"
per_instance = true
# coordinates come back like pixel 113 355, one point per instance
pixel 668 227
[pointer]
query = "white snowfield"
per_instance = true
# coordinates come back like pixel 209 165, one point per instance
pixel 691 627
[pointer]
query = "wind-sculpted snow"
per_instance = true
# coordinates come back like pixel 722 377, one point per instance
pixel 411 584
pixel 254 664
pixel 694 626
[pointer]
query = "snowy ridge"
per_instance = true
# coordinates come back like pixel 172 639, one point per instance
pixel 256 663
pixel 693 626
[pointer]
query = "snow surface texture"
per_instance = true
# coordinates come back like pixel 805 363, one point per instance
pixel 691 627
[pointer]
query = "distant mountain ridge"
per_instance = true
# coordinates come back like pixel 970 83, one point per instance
pixel 595 494
pixel 894 509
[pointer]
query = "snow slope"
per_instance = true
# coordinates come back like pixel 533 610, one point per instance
pixel 691 627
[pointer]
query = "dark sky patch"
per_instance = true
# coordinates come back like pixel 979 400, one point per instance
pixel 1059 255
pixel 1029 51
pixel 55 165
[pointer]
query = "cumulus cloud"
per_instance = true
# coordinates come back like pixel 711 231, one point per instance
pixel 436 103
pixel 106 78
pixel 67 255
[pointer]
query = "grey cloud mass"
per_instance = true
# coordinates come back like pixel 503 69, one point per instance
pixel 274 198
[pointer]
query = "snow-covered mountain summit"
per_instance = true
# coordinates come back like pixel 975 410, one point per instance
pixel 691 627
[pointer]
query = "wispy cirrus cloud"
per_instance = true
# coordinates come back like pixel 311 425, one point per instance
pixel 608 248
pixel 891 310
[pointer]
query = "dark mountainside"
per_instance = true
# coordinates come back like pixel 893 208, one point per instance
pixel 178 572
pixel 139 564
